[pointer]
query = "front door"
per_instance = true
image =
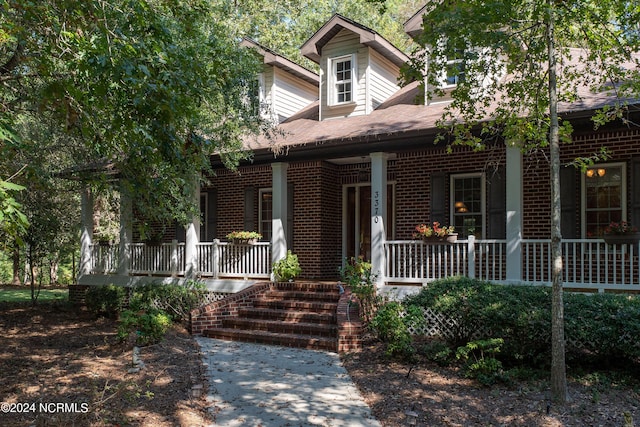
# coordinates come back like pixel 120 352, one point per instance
pixel 357 224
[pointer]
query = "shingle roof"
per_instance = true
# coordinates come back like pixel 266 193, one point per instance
pixel 397 117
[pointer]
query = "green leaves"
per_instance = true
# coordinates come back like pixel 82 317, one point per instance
pixel 13 222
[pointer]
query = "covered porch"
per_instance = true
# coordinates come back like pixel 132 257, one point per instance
pixel 589 265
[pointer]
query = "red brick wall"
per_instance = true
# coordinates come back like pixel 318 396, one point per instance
pixel 413 172
pixel 318 192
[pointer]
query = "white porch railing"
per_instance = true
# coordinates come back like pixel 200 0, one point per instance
pixel 104 259
pixel 587 263
pixel 161 259
pixel 222 259
pixel 214 259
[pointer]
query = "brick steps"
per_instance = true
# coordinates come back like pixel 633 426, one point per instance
pixel 265 337
pixel 301 315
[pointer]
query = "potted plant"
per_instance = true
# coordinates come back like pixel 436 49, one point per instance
pixel 244 237
pixel 436 232
pixel 621 233
pixel 286 269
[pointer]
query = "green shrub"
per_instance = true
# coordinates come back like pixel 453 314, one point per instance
pixel 149 325
pixel 392 323
pixel 605 325
pixel 601 326
pixel 288 268
pixel 106 300
pixel 357 275
pixel 437 351
pixel 480 363
pixel 175 300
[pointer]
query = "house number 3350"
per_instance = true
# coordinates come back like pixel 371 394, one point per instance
pixel 376 206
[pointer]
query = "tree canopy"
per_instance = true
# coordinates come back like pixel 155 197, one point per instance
pixel 515 64
pixel 147 88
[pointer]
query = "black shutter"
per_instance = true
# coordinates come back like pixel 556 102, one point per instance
pixel 568 211
pixel 635 192
pixel 212 214
pixel 181 233
pixel 497 201
pixel 438 198
pixel 289 230
pixel 249 208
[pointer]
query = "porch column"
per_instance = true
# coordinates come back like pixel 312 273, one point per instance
pixel 126 230
pixel 86 232
pixel 378 215
pixel 279 212
pixel 514 213
pixel 192 237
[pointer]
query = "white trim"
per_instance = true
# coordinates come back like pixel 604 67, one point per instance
pixel 583 193
pixel 331 85
pixel 483 197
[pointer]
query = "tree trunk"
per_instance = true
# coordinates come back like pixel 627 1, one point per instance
pixel 16 266
pixel 558 367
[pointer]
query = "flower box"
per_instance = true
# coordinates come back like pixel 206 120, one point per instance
pixel 622 239
pixel 244 237
pixel 449 238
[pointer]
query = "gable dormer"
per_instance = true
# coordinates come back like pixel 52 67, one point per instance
pixel 359 69
pixel 284 87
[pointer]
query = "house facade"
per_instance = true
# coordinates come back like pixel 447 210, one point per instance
pixel 354 167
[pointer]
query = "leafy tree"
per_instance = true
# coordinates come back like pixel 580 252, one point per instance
pixel 284 25
pixel 145 88
pixel 530 42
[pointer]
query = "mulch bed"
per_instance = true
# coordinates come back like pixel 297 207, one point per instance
pixel 64 367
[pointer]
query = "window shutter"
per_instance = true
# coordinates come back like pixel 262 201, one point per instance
pixel 290 216
pixel 249 208
pixel 497 209
pixel 212 214
pixel 568 222
pixel 181 233
pixel 438 198
pixel 635 192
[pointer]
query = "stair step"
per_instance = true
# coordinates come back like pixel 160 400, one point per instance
pixel 302 296
pixel 297 328
pixel 317 307
pixel 265 337
pixel 306 287
pixel 287 315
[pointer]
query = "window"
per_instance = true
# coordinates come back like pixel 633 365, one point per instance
pixel 468 204
pixel 342 73
pixel 265 211
pixel 454 66
pixel 603 197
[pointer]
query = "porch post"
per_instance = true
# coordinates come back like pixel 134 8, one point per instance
pixel 86 233
pixel 514 213
pixel 126 230
pixel 279 212
pixel 378 215
pixel 192 237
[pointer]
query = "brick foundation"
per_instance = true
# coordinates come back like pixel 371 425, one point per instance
pixel 211 315
pixel 350 326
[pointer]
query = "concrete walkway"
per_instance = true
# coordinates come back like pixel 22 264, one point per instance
pixel 269 386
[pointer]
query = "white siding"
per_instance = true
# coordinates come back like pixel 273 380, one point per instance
pixel 344 43
pixel 376 80
pixel 291 94
pixel 383 79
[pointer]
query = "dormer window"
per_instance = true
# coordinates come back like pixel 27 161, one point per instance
pixel 454 69
pixel 342 83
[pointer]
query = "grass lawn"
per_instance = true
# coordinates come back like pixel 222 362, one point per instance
pixel 24 294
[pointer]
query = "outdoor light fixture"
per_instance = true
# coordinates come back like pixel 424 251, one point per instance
pixel 592 172
pixel 460 207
